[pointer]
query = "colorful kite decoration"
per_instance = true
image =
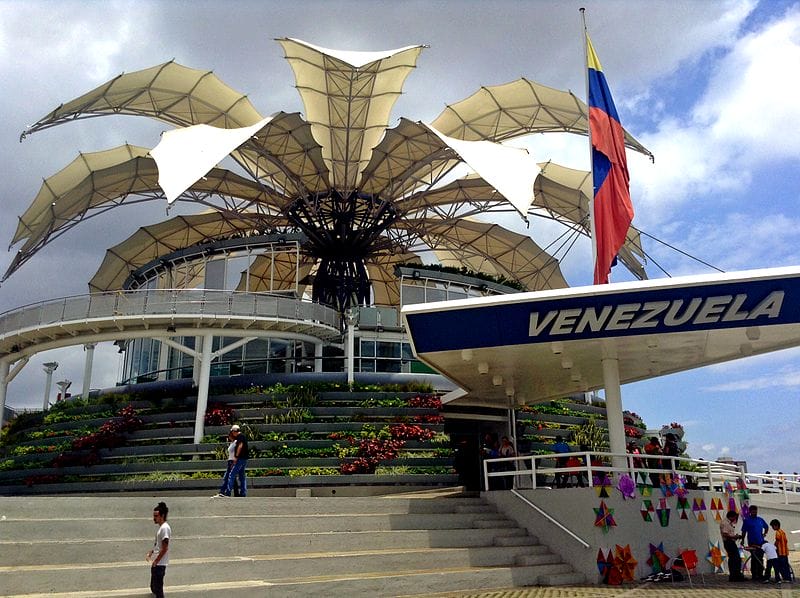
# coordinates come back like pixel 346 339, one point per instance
pixel 624 562
pixel 679 483
pixel 715 556
pixel 698 509
pixel 716 507
pixel 744 556
pixel 604 517
pixel 727 488
pixel 732 505
pixel 658 558
pixel 643 483
pixel 604 563
pixel 663 512
pixel 670 485
pixel 602 485
pixel 683 506
pixel 626 486
pixel 647 510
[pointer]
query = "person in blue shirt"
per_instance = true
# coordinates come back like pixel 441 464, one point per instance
pixel 559 447
pixel 753 529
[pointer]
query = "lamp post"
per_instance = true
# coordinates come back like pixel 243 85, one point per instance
pixel 64 385
pixel 49 368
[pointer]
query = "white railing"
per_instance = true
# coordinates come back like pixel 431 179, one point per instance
pixel 535 471
pixel 787 485
pixel 169 302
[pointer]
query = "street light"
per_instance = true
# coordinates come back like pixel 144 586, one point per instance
pixel 49 368
pixel 64 385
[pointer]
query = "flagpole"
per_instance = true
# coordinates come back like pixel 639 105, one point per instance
pixel 592 227
pixel 609 358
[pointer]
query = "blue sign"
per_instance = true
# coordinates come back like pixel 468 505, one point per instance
pixel 722 305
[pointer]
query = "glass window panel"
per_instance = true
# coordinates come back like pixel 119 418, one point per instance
pixel 388 365
pixel 215 274
pixel 412 295
pixel 368 349
pixel 388 349
pixel 435 295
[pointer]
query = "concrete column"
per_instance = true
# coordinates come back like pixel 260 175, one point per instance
pixel 198 348
pixel 202 388
pixel 87 369
pixel 163 359
pixel 49 368
pixel 4 380
pixel 350 348
pixel 616 425
pixel 318 357
pixel 289 354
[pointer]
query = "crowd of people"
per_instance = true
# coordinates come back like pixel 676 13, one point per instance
pixel 752 537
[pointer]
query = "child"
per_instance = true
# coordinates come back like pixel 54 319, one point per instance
pixel 782 548
pixel 771 554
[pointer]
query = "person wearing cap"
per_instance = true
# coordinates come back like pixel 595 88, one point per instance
pixel 241 454
pixel 231 454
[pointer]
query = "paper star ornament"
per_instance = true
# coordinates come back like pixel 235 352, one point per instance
pixel 624 562
pixel 626 486
pixel 715 556
pixel 658 558
pixel 604 517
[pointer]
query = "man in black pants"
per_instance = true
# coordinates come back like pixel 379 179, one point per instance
pixel 158 555
pixel 727 529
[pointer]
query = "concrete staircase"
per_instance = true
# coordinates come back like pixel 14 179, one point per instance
pixel 269 546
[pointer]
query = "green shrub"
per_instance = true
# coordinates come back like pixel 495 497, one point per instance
pixel 297 472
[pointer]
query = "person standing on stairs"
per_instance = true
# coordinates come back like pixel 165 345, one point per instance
pixel 240 457
pixel 158 555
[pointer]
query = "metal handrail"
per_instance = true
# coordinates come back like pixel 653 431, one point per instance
pixel 714 474
pixel 552 519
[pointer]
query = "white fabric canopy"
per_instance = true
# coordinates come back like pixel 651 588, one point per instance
pixel 186 155
pixel 510 170
pixel 352 57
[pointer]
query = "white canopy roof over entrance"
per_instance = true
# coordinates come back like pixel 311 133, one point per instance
pixel 533 347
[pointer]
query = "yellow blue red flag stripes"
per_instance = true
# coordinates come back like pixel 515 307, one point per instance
pixel 613 211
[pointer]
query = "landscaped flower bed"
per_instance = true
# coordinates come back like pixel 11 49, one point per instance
pixel 294 433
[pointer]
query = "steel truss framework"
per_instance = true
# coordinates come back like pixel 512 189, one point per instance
pixel 365 196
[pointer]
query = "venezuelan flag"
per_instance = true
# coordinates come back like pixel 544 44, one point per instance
pixel 613 211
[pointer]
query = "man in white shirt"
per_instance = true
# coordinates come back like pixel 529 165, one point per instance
pixel 158 556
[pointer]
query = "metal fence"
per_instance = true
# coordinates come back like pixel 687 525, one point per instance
pixel 537 471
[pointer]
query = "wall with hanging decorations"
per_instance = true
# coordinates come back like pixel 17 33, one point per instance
pixel 634 530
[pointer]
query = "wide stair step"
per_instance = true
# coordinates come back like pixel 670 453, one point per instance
pixel 379 546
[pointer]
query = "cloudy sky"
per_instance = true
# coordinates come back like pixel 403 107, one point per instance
pixel 710 87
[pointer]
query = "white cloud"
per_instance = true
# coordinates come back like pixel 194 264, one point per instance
pixel 753 98
pixel 743 120
pixel 779 379
pixel 708 447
